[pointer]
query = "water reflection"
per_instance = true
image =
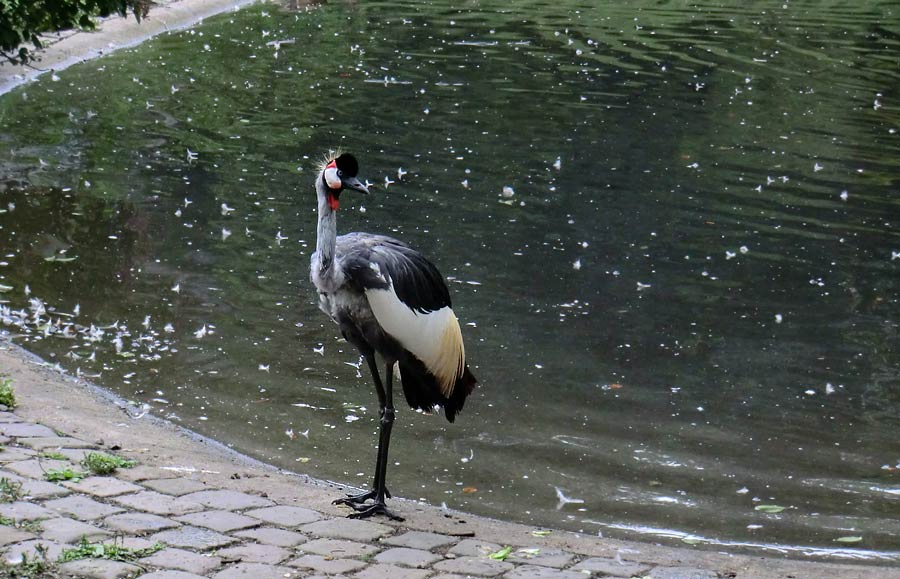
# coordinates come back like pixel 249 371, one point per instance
pixel 667 231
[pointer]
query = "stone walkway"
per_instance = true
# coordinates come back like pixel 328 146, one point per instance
pixel 201 530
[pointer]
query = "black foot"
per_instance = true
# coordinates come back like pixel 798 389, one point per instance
pixel 378 508
pixel 354 500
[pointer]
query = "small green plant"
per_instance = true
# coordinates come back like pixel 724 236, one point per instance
pixel 111 551
pixel 103 464
pixel 63 474
pixel 7 395
pixel 7 522
pixel 53 456
pixel 10 491
pixel 37 566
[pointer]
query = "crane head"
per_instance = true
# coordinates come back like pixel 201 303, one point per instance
pixel 339 173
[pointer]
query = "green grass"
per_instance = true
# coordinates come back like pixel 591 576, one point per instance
pixel 111 551
pixel 103 464
pixel 10 491
pixel 7 395
pixel 53 456
pixel 35 567
pixel 63 474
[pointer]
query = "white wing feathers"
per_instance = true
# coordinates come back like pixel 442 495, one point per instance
pixel 433 337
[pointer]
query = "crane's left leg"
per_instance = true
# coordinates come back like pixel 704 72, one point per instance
pixel 378 506
pixel 386 417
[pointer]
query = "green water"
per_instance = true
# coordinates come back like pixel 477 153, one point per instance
pixel 670 231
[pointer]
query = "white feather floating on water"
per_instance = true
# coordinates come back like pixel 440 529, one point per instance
pixel 564 500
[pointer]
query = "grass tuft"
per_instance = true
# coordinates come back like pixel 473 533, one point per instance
pixel 103 464
pixel 7 395
pixel 10 491
pixel 35 567
pixel 111 551
pixel 63 474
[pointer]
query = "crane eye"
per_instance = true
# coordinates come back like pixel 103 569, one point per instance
pixel 340 173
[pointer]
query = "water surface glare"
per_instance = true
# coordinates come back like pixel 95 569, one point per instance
pixel 669 229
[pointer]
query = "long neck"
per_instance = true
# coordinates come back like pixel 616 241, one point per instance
pixel 326 232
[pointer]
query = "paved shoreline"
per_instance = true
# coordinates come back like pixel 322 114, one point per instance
pixel 220 514
pixel 71 47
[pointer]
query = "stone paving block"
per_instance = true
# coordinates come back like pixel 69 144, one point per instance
pixel 139 523
pixel 419 540
pixel 171 558
pixel 379 571
pixel 610 566
pixel 25 430
pixel 54 442
pixel 36 468
pixel 285 516
pixel 327 565
pixel 98 569
pixel 30 549
pixel 193 538
pixel 338 548
pixel 222 521
pixel 65 530
pixel 450 576
pixel 158 503
pixel 474 548
pixel 24 511
pixel 175 486
pixel 406 557
pixel 228 500
pixel 171 575
pixel 9 534
pixel 555 558
pixel 9 417
pixel 540 572
pixel 682 573
pixel 38 489
pixel 135 543
pixel 143 472
pixel 102 486
pixel 254 553
pixel 344 528
pixel 13 454
pixel 256 571
pixel 83 508
pixel 270 536
pixel 482 566
pixel 75 455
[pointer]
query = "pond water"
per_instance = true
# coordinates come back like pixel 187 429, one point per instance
pixel 669 229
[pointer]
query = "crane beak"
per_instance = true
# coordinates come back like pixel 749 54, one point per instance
pixel 355 184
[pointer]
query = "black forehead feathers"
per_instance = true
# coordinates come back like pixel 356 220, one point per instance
pixel 347 164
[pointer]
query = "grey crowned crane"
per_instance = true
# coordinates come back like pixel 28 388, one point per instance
pixel 387 299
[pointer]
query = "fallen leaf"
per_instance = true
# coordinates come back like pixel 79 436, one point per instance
pixel 771 509
pixel 848 539
pixel 502 554
pixel 470 490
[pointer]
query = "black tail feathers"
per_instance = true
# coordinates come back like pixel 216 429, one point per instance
pixel 423 393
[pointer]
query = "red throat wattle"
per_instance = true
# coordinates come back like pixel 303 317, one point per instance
pixel 333 201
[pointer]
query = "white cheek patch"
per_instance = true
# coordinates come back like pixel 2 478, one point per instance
pixel 331 178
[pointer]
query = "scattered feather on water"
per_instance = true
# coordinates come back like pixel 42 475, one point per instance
pixel 564 500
